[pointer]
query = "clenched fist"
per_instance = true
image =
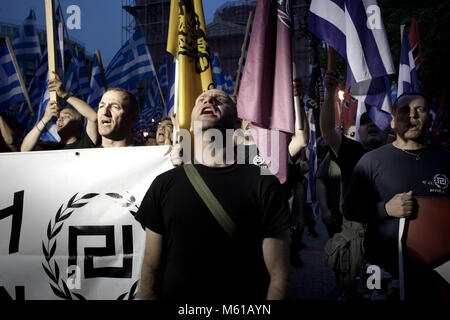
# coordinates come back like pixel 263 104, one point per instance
pixel 401 205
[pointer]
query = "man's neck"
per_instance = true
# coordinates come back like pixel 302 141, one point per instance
pixel 210 155
pixel 408 144
pixel 125 142
pixel 68 140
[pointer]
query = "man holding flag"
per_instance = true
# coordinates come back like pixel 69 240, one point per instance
pixel 69 124
pixel 346 27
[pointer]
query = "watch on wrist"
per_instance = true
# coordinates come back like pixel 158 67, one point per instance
pixel 66 97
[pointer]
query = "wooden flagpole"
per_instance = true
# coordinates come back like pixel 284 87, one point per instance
pixel 241 59
pixel 102 70
pixel 19 73
pixel 51 40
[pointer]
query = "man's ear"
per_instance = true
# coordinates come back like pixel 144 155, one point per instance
pixel 393 124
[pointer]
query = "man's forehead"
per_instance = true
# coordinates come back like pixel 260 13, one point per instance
pixel 67 111
pixel 411 100
pixel 212 93
pixel 113 95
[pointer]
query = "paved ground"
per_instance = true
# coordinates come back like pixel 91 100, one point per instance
pixel 313 281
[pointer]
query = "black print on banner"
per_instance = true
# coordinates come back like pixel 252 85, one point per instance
pixel 109 250
pixel 20 293
pixel 50 265
pixel 16 211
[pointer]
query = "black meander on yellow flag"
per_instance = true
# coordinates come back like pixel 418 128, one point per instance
pixel 187 42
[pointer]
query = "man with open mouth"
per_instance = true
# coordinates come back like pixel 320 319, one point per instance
pixel 384 186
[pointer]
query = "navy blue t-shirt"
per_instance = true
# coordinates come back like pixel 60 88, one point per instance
pixel 377 178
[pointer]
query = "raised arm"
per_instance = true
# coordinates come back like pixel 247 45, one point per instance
pixel 8 135
pixel 332 137
pixel 82 107
pixel 32 138
pixel 276 258
pixel 301 138
pixel 150 266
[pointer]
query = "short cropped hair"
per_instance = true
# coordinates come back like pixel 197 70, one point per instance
pixel 132 103
pixel 407 94
pixel 78 115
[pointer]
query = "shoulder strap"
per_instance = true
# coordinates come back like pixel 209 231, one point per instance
pixel 210 200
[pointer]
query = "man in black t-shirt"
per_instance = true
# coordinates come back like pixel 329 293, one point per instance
pixel 69 124
pixel 385 182
pixel 188 255
pixel 346 152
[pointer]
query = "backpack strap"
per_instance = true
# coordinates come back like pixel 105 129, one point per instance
pixel 210 200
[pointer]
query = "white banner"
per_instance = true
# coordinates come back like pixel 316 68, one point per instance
pixel 67 229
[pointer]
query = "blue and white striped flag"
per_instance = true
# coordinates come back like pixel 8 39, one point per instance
pixel 163 77
pixel 50 133
pixel 35 89
pixel 97 86
pixel 170 100
pixel 152 112
pixel 354 28
pixel 26 43
pixel 77 82
pixel 311 155
pixel 408 80
pixel 11 91
pixel 219 79
pixel 229 83
pixel 132 63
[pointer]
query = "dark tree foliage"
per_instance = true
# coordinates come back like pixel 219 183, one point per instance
pixel 433 18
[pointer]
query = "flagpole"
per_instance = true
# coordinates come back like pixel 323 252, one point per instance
pixel 19 74
pixel 100 65
pixel 51 49
pixel 241 59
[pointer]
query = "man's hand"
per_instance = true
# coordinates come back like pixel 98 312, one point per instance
pixel 176 155
pixel 401 205
pixel 51 111
pixel 167 136
pixel 56 85
pixel 331 81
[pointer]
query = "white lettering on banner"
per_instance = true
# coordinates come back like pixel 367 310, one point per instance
pixel 78 235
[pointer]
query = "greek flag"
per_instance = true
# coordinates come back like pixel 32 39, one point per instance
pixel 77 82
pixel 11 91
pixel 170 100
pixel 132 63
pixel 97 86
pixel 26 43
pixel 152 111
pixel 311 155
pixel 219 79
pixel 50 133
pixel 229 83
pixel 407 75
pixel 35 89
pixel 354 28
pixel 163 77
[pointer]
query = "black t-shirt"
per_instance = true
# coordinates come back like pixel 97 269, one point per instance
pixel 330 173
pixel 82 143
pixel 378 176
pixel 349 154
pixel 200 260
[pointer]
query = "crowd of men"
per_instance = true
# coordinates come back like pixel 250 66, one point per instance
pixel 231 231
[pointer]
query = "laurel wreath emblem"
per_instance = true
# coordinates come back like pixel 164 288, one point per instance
pixel 59 286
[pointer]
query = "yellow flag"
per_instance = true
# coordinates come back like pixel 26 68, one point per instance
pixel 187 42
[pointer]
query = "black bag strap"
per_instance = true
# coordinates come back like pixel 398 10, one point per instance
pixel 210 200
